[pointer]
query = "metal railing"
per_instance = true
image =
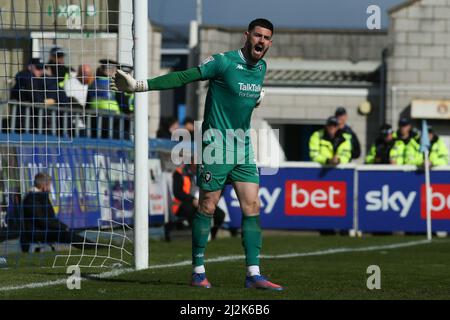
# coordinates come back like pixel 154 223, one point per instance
pixel 65 121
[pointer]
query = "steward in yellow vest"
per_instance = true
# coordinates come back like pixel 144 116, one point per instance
pixel 327 146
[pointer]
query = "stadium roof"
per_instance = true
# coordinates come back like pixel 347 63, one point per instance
pixel 291 73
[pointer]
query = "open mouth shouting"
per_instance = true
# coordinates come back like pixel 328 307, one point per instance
pixel 258 51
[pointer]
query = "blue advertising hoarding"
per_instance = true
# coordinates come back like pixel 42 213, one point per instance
pixel 87 181
pixel 302 198
pixel 395 200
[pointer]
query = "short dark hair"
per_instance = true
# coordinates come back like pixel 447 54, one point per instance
pixel 260 22
pixel 340 111
pixel 41 180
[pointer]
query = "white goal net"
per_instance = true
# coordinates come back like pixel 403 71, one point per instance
pixel 66 139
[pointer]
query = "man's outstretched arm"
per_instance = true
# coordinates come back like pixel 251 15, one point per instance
pixel 122 81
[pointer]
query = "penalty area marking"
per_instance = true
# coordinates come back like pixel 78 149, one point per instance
pixel 118 272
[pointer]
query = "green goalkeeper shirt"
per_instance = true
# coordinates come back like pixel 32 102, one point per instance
pixel 234 87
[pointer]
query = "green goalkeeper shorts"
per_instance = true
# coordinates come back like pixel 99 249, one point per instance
pixel 214 176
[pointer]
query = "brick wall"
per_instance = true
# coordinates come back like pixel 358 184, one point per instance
pixel 419 55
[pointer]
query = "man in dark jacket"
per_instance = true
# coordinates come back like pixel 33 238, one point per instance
pixel 39 220
pixel 347 132
pixel 56 66
pixel 30 84
pixel 184 202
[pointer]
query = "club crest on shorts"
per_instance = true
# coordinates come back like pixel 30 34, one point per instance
pixel 207 176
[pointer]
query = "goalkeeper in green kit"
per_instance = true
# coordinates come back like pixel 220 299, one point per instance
pixel 235 89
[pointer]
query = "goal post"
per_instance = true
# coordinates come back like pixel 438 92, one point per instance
pixel 141 172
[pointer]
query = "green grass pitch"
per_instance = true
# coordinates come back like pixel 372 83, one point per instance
pixel 335 271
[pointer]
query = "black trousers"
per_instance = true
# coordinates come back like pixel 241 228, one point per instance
pixel 50 237
pixel 187 211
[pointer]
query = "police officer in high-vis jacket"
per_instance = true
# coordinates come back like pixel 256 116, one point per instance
pixel 381 151
pixel 328 145
pixel 438 152
pixel 406 148
pixel 57 67
pixel 100 96
pixel 347 132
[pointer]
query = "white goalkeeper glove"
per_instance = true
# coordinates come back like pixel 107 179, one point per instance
pixel 261 97
pixel 122 81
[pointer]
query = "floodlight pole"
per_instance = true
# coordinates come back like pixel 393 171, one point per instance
pixel 141 170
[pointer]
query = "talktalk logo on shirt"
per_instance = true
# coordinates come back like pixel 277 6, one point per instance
pixel 440 201
pixel 314 198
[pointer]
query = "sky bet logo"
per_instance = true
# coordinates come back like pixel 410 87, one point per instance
pixel 440 201
pixel 386 200
pixel 314 198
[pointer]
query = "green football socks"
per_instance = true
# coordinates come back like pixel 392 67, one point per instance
pixel 251 239
pixel 201 226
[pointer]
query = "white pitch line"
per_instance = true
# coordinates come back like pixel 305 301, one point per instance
pixel 118 272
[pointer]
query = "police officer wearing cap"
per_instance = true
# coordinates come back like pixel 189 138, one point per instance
pixel 29 84
pixel 406 147
pixel 100 96
pixel 347 132
pixel 380 151
pixel 328 146
pixel 56 66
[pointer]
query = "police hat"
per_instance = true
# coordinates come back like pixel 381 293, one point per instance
pixel 404 122
pixel 386 129
pixel 37 62
pixel 57 51
pixel 108 62
pixel 340 111
pixel 125 68
pixel 332 121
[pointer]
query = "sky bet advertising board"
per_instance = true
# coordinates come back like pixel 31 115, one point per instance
pixel 302 199
pixel 396 201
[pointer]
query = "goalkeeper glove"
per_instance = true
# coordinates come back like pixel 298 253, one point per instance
pixel 261 97
pixel 122 81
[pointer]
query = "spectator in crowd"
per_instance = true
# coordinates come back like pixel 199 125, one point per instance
pixel 125 99
pixel 328 146
pixel 380 151
pixel 347 132
pixel 406 147
pixel 100 96
pixel 56 66
pixel 438 152
pixel 76 87
pixel 185 204
pixel 39 220
pixel 29 84
pixel 167 127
